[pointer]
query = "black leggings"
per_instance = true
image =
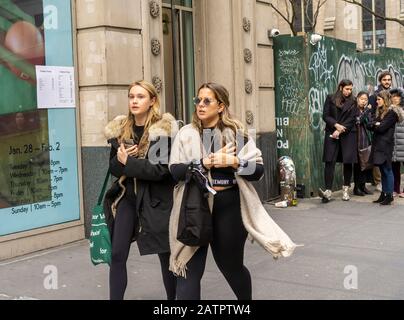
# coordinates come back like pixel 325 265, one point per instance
pixel 329 174
pixel 359 176
pixel 121 242
pixel 229 236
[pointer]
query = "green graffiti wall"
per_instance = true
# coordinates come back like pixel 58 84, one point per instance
pixel 304 75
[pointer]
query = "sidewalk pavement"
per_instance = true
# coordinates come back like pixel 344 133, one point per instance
pixel 341 240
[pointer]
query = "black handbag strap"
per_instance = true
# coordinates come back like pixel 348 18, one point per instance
pixel 365 121
pixel 104 187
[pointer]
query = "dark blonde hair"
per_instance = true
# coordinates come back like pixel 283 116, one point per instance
pixel 382 111
pixel 152 117
pixel 226 121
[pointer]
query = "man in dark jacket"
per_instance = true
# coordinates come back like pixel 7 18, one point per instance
pixel 385 82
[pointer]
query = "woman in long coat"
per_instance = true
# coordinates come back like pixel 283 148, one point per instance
pixel 340 143
pixel 364 139
pixel 383 127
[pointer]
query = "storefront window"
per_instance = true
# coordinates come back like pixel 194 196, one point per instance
pixel 38 147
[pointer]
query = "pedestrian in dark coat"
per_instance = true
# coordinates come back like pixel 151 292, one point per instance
pixel 397 99
pixel 364 140
pixel 140 150
pixel 383 127
pixel 340 142
pixel 385 81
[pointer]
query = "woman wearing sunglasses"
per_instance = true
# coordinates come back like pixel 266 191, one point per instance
pixel 140 147
pixel 219 147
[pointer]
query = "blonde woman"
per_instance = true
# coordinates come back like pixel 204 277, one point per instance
pixel 219 147
pixel 140 147
pixel 383 127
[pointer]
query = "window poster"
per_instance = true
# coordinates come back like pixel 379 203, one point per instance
pixel 38 149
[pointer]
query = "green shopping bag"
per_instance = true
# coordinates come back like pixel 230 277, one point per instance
pixel 100 238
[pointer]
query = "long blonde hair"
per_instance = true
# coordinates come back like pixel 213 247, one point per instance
pixel 226 121
pixel 382 111
pixel 152 117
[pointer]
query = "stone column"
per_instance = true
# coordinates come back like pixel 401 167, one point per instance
pixel 110 56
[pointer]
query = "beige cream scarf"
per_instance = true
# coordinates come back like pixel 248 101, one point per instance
pixel 187 147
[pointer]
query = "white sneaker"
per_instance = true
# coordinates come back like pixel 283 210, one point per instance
pixel 345 193
pixel 379 187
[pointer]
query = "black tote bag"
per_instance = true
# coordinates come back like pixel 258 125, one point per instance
pixel 195 220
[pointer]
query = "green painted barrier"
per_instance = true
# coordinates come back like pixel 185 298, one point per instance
pixel 305 74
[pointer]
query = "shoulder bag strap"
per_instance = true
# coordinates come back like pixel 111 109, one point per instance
pixel 367 131
pixel 104 187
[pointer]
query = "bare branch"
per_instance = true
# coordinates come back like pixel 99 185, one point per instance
pixel 374 13
pixel 294 9
pixel 290 22
pixel 287 9
pixel 307 4
pixel 291 8
pixel 317 12
pixel 280 13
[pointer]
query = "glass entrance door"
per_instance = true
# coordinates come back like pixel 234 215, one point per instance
pixel 179 70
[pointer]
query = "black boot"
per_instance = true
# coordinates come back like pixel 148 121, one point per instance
pixel 388 200
pixel 358 192
pixel 363 188
pixel 381 198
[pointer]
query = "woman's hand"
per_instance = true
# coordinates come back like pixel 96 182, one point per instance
pixel 207 162
pixel 225 157
pixel 132 151
pixel 340 128
pixel 335 134
pixel 223 160
pixel 122 154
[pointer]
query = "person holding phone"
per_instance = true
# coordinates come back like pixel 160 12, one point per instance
pixel 219 147
pixel 140 150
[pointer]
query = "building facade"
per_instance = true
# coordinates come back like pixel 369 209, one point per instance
pixel 175 44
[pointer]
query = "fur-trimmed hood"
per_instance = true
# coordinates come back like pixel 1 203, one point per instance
pixel 399 111
pixel 167 126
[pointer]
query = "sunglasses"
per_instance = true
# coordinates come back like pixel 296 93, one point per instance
pixel 205 101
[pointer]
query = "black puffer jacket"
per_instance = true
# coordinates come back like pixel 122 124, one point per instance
pixel 147 183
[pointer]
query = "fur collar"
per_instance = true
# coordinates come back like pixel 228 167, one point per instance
pixel 167 126
pixel 399 111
